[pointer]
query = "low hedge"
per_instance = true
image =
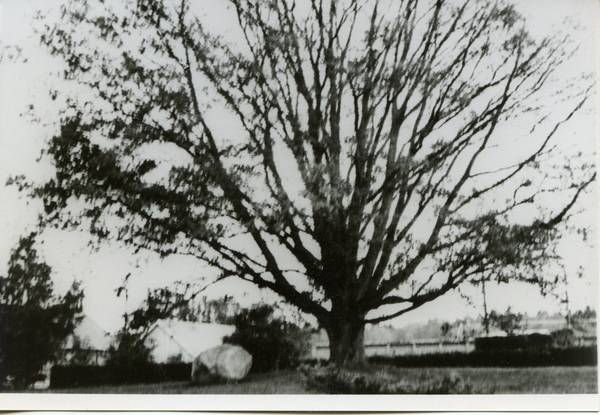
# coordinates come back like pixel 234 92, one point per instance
pixel 84 375
pixel 532 342
pixel 580 356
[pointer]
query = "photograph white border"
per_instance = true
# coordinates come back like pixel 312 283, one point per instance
pixel 302 403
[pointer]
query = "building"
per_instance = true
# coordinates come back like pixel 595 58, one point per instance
pixel 173 340
pixel 88 345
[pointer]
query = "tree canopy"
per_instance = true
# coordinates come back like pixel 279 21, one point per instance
pixel 358 158
pixel 508 321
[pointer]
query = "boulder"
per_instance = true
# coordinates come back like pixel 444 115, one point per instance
pixel 226 361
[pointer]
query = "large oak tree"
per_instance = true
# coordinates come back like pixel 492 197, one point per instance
pixel 358 158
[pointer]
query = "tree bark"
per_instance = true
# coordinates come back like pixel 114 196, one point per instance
pixel 346 342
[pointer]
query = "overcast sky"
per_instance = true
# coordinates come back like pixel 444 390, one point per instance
pixel 103 271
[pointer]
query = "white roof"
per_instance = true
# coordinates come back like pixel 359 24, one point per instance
pixel 90 334
pixel 193 337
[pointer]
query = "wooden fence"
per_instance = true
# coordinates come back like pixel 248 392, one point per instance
pixel 420 347
pixel 321 351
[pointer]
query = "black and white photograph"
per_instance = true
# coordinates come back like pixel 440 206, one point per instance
pixel 381 204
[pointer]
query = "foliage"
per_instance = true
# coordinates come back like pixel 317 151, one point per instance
pixel 348 381
pixel 563 338
pixel 79 353
pixel 274 343
pixel 587 314
pixel 508 322
pixel 366 149
pixel 130 355
pixel 445 328
pixel 221 310
pixel 33 321
pixel 178 303
pixel 163 303
pixel 584 319
pixel 532 342
pixel 573 356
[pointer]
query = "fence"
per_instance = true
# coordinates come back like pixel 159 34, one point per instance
pixel 321 351
pixel 420 347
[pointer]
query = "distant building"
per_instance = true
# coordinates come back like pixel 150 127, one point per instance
pixel 173 340
pixel 88 345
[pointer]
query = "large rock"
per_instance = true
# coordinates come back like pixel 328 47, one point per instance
pixel 225 361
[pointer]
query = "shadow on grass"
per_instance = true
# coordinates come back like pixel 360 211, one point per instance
pixel 548 380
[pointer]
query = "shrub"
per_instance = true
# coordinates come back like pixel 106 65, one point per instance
pixel 563 338
pixel 349 381
pixel 273 343
pixel 130 357
pixel 532 342
pixel 537 342
pixel 508 322
pixel 579 356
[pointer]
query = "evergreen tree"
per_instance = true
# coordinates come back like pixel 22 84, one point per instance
pixel 33 321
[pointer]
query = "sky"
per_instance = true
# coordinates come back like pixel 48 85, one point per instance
pixel 102 271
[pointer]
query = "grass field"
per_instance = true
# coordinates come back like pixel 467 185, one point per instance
pixel 552 380
pixel 548 380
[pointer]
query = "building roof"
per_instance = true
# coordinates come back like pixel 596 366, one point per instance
pixel 193 337
pixel 90 334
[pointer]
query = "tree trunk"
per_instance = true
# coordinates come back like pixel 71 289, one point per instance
pixel 346 342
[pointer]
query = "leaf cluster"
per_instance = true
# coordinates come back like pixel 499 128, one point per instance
pixel 274 343
pixel 508 321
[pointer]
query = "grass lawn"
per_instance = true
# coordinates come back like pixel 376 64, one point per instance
pixel 289 383
pixel 547 380
pixel 553 380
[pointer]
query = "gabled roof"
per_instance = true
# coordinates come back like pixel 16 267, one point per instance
pixel 90 334
pixel 193 337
